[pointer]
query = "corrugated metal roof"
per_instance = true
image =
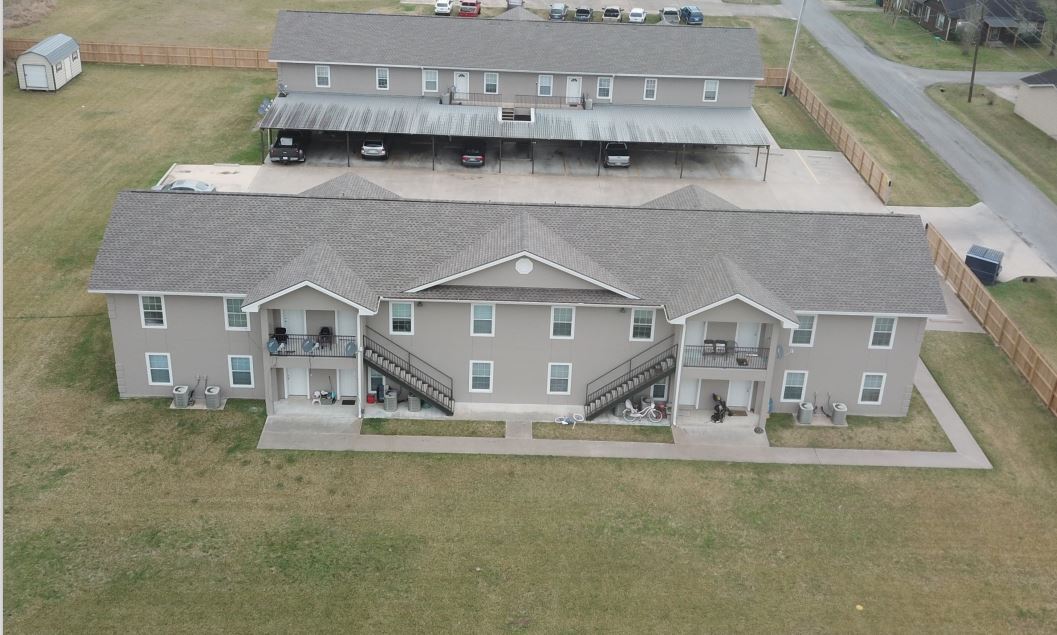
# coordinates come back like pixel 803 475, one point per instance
pixel 417 116
pixel 55 48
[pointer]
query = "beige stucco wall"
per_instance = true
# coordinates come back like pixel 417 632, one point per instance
pixel 1038 106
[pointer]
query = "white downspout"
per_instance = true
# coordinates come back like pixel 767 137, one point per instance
pixel 361 394
pixel 678 372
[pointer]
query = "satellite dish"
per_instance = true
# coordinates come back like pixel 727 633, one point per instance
pixel 283 90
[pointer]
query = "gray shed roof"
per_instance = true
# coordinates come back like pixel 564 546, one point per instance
pixel 515 45
pixel 690 197
pixel 232 243
pixel 348 186
pixel 518 13
pixel 426 116
pixel 54 48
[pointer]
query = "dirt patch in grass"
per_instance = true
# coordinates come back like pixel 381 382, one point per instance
pixel 919 430
pixel 433 428
pixel 1033 306
pixel 19 13
pixel 601 432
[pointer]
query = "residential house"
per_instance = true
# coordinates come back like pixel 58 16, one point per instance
pixel 1037 101
pixel 1006 22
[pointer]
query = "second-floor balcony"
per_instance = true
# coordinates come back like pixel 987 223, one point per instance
pixel 457 98
pixel 721 354
pixel 324 344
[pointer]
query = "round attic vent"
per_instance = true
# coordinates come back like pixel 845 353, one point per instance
pixel 523 266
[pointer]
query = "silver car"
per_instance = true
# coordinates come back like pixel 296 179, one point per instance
pixel 188 185
pixel 611 14
pixel 670 15
pixel 617 155
pixel 374 148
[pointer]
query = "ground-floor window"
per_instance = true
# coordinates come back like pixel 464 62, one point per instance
pixel 480 376
pixel 659 391
pixel 559 378
pixel 240 371
pixel 794 383
pixel 159 369
pixel 872 388
pixel 376 379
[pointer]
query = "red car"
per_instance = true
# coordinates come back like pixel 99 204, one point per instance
pixel 469 8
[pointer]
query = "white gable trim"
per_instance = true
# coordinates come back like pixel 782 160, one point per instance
pixel 254 307
pixel 786 322
pixel 523 254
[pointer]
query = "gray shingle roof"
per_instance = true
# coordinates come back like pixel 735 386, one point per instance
pixel 518 13
pixel 54 48
pixel 1045 78
pixel 348 186
pixel 520 294
pixel 515 45
pixel 228 243
pixel 719 279
pixel 319 264
pixel 690 197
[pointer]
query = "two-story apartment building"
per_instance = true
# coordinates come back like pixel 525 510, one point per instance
pixel 571 308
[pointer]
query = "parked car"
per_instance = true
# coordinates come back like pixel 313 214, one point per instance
pixel 558 11
pixel 692 15
pixel 611 14
pixel 617 155
pixel 442 7
pixel 472 156
pixel 510 4
pixel 469 8
pixel 583 14
pixel 188 185
pixel 374 148
pixel 289 146
pixel 637 15
pixel 670 15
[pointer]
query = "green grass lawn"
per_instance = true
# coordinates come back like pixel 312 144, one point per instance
pixel 790 125
pixel 434 427
pixel 992 119
pixel 601 432
pixel 1033 306
pixel 919 430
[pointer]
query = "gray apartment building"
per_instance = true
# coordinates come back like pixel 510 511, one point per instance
pixel 559 307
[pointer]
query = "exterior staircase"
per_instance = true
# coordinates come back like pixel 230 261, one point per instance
pixel 630 377
pixel 421 378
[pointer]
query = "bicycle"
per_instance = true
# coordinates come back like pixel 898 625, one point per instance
pixel 649 412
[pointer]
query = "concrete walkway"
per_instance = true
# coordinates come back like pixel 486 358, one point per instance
pixel 301 433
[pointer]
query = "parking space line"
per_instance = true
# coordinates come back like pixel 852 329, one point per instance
pixel 809 170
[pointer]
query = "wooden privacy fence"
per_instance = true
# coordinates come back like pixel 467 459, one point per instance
pixel 1040 372
pixel 158 54
pixel 772 78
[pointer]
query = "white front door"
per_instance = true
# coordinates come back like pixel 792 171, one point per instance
pixel 688 392
pixel 748 334
pixel 296 382
pixel 462 82
pixel 573 90
pixel 294 321
pixel 739 394
pixel 347 384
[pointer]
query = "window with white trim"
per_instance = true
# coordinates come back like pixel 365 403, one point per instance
pixel 480 376
pixel 659 391
pixel 642 324
pixel 240 371
pixel 381 78
pixel 322 76
pixel 604 89
pixel 804 333
pixel 491 83
pixel 649 89
pixel 482 320
pixel 401 318
pixel 794 384
pixel 872 388
pixel 152 311
pixel 883 332
pixel 545 85
pixel 563 322
pixel 159 369
pixel 559 379
pixel 941 21
pixel 76 56
pixel 430 81
pixel 234 318
pixel 711 92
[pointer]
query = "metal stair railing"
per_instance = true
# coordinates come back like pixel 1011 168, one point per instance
pixel 642 362
pixel 410 363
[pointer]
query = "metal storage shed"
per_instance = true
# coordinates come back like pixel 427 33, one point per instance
pixel 49 64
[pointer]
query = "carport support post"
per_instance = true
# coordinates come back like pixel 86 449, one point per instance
pixel 757 157
pixel 766 161
pixel 263 146
pixel 348 152
pixel 532 155
pixel 598 165
pixel 682 159
pixel 500 155
pixel 433 150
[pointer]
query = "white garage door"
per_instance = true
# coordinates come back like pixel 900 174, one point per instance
pixel 36 75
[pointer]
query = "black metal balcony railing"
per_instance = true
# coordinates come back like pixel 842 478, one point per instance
pixel 733 357
pixel 290 345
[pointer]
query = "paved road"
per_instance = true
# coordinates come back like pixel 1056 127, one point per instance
pixel 998 184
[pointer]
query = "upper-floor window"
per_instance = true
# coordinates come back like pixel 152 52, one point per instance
pixel 872 388
pixel 480 376
pixel 430 81
pixel 883 332
pixel 152 311
pixel 401 318
pixel 605 88
pixel 234 318
pixel 322 76
pixel 794 384
pixel 381 78
pixel 545 87
pixel 642 324
pixel 804 333
pixel 491 83
pixel 240 371
pixel 711 90
pixel 649 89
pixel 482 320
pixel 563 319
pixel 159 369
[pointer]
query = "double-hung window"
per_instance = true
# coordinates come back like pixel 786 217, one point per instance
pixel 545 86
pixel 430 81
pixel 883 332
pixel 240 371
pixel 322 76
pixel 152 311
pixel 491 83
pixel 794 384
pixel 480 376
pixel 159 369
pixel 559 379
pixel 642 324
pixel 711 92
pixel 605 88
pixel 563 322
pixel 482 320
pixel 381 78
pixel 649 89
pixel 872 388
pixel 234 318
pixel 804 333
pixel 401 318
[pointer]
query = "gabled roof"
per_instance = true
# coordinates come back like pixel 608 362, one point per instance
pixel 518 13
pixel 690 197
pixel 963 9
pixel 1045 78
pixel 54 48
pixel 720 280
pixel 320 267
pixel 348 186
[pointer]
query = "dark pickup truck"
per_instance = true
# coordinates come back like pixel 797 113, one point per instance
pixel 289 146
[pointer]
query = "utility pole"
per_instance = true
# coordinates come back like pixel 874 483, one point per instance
pixel 792 51
pixel 976 49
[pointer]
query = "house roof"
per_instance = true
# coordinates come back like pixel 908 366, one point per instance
pixel 719 279
pixel 1029 9
pixel 54 48
pixel 690 197
pixel 1045 78
pixel 348 186
pixel 233 243
pixel 514 45
pixel 318 265
pixel 518 13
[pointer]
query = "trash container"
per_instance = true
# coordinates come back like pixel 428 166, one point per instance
pixel 414 404
pixel 985 263
pixel 181 396
pixel 840 414
pixel 213 397
pixel 803 414
pixel 390 401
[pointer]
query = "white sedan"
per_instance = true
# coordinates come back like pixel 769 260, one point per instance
pixel 637 15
